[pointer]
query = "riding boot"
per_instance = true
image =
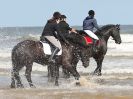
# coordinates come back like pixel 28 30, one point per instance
pixel 95 47
pixel 51 59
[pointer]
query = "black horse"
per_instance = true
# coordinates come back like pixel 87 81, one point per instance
pixel 29 51
pixel 104 33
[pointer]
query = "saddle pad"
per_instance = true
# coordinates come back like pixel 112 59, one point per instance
pixel 88 40
pixel 47 49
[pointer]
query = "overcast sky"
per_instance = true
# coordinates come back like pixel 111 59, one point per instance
pixel 37 12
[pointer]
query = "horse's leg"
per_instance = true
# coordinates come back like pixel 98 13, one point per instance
pixel 66 73
pixel 12 80
pixel 67 62
pixel 72 71
pixel 99 66
pixel 28 74
pixel 16 67
pixel 50 73
pixel 74 62
pixel 53 73
pixel 56 71
pixel 15 73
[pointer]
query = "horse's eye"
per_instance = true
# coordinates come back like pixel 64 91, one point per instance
pixel 118 28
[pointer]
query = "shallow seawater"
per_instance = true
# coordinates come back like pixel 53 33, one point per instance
pixel 116 81
pixel 113 84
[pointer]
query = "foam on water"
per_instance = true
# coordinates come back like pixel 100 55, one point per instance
pixel 124 49
pixel 87 83
pixel 117 70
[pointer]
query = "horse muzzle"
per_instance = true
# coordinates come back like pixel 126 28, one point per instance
pixel 118 42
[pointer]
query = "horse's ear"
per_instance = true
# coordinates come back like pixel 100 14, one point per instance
pixel 118 26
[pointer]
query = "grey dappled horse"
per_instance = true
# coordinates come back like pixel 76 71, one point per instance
pixel 29 51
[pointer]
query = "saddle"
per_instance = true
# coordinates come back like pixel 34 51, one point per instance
pixel 48 48
pixel 87 40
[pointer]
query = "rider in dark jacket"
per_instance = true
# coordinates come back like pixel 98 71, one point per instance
pixel 65 29
pixel 64 26
pixel 52 33
pixel 89 24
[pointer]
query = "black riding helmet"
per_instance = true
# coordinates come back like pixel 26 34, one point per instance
pixel 56 15
pixel 63 17
pixel 91 12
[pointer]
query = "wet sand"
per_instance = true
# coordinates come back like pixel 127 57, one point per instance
pixel 57 94
pixel 66 90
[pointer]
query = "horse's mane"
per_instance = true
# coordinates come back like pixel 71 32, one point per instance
pixel 104 28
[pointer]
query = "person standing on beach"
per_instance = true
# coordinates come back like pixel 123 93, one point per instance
pixel 51 32
pixel 89 24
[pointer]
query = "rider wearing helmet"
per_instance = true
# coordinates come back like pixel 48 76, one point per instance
pixel 64 26
pixel 89 24
pixel 51 32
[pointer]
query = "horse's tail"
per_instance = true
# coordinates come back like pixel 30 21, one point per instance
pixel 13 67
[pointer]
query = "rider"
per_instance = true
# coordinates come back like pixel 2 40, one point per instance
pixel 89 24
pixel 51 32
pixel 69 33
pixel 64 26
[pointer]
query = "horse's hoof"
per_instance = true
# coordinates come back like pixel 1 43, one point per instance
pixel 51 79
pixel 78 84
pixel 66 76
pixel 33 86
pixel 97 73
pixel 56 84
pixel 12 86
pixel 20 86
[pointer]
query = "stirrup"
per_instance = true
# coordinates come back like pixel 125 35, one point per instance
pixel 51 60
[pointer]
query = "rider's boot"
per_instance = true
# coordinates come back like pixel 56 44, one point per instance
pixel 95 46
pixel 51 59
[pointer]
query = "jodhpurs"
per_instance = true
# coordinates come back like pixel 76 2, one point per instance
pixel 54 41
pixel 91 34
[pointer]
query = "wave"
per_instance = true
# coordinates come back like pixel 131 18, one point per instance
pixel 118 71
pixel 29 37
pixel 5 53
pixel 123 49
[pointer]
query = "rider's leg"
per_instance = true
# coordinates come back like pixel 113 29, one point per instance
pixel 91 34
pixel 57 45
pixel 51 59
pixel 95 38
pixel 95 47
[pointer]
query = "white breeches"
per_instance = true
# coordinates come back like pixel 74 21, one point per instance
pixel 91 34
pixel 54 41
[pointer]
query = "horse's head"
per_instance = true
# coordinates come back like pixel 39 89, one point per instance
pixel 110 30
pixel 85 56
pixel 115 33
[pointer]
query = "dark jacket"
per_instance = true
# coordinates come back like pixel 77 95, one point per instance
pixel 64 28
pixel 52 29
pixel 90 23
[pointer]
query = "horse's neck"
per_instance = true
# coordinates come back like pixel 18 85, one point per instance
pixel 104 36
